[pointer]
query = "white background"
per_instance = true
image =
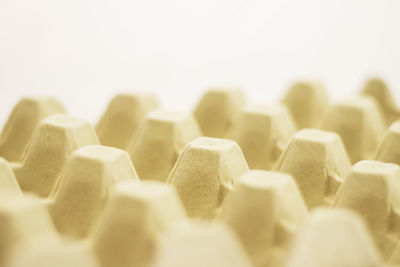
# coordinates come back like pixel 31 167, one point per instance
pixel 85 51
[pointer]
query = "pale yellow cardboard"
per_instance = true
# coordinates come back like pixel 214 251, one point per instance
pixel 84 187
pixel 199 244
pixel 377 88
pixel 8 181
pixel 307 101
pixel 372 189
pixel 262 210
pixel 46 254
pixel 359 124
pixel 52 143
pixel 138 213
pixel 216 110
pixel 265 209
pixel 21 123
pixel 262 132
pixel 204 173
pixel 24 224
pixel 318 162
pixel 160 139
pixel 118 125
pixel 389 148
pixel 334 238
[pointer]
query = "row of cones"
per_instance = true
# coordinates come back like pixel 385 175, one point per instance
pixel 107 216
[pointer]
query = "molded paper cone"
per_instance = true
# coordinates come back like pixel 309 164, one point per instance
pixel 204 173
pixel 160 139
pixel 52 142
pixel 307 102
pixel 378 89
pixel 318 162
pixel 217 109
pixel 119 123
pixel 265 209
pixel 24 224
pixel 133 221
pixel 8 181
pixel 21 123
pixel 359 124
pixel 389 149
pixel 198 244
pixel 84 187
pixel 262 132
pixel 373 190
pixel 334 238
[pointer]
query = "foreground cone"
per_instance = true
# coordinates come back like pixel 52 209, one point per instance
pixel 307 103
pixel 265 210
pixel 119 123
pixel 24 224
pixel 198 244
pixel 138 213
pixel 373 190
pixel 21 123
pixel 159 141
pixel 378 89
pixel 204 173
pixel 334 238
pixel 84 186
pixel 217 109
pixel 318 162
pixel 389 149
pixel 53 141
pixel 262 132
pixel 359 124
pixel 8 182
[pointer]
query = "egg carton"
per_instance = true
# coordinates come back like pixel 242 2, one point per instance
pixel 301 183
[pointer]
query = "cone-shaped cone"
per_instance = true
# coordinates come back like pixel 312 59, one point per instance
pixel 120 122
pixel 334 238
pixel 318 162
pixel 372 189
pixel 83 187
pixel 204 173
pixel 359 124
pixel 197 244
pixel 378 89
pixel 133 221
pixel 7 178
pixel 264 209
pixel 217 109
pixel 307 102
pixel 52 142
pixel 24 223
pixel 262 132
pixel 389 149
pixel 159 141
pixel 21 123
